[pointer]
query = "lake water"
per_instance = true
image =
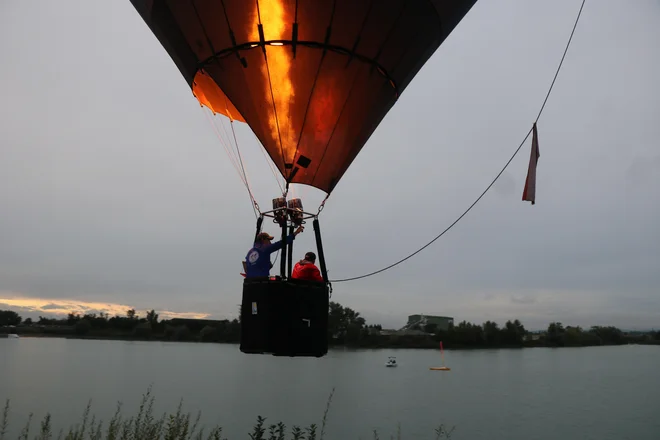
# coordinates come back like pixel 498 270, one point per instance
pixel 602 393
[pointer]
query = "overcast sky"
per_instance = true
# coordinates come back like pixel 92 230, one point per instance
pixel 115 191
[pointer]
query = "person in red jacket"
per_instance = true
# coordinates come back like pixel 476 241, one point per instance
pixel 306 269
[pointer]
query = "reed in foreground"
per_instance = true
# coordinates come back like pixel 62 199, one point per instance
pixel 173 426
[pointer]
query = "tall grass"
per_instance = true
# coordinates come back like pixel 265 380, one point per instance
pixel 173 426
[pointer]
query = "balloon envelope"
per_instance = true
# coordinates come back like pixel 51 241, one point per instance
pixel 312 78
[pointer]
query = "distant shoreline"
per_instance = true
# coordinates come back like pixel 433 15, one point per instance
pixel 346 329
pixel 420 345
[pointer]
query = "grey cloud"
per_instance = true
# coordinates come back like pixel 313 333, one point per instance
pixel 51 306
pixel 523 299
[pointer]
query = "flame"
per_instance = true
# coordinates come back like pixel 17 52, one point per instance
pixel 273 19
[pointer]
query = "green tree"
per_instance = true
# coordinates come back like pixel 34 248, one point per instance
pixel 72 318
pixel 344 324
pixel 82 327
pixel 152 317
pixel 9 317
pixel 556 332
pixel 143 330
pixel 182 333
pixel 468 334
pixel 491 333
pixel 609 334
pixel 208 334
pixel 573 336
pixel 513 333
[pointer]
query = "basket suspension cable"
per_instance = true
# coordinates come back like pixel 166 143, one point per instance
pixel 232 159
pixel 322 205
pixel 240 157
pixel 238 151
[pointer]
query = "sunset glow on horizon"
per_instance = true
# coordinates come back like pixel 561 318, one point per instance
pixel 62 307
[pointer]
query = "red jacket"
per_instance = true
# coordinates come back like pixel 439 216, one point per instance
pixel 304 270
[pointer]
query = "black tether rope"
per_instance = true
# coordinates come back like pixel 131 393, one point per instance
pixel 496 177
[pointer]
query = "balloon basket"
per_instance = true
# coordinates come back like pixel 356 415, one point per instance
pixel 284 317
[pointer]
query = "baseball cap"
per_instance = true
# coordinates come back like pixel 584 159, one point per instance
pixel 264 236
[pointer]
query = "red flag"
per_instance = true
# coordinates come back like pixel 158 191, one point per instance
pixel 529 193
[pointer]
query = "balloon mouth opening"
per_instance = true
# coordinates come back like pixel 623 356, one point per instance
pixel 209 95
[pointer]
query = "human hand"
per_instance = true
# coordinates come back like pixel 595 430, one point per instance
pixel 299 230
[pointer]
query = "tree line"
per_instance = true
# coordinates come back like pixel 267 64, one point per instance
pixel 129 326
pixel 345 328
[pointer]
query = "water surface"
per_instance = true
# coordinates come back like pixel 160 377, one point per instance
pixel 602 393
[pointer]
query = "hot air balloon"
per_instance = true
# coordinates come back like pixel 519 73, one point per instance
pixel 313 79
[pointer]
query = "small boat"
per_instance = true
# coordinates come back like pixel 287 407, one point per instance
pixel 442 357
pixel 12 336
pixel 391 362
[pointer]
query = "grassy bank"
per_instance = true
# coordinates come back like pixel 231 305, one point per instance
pixel 170 426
